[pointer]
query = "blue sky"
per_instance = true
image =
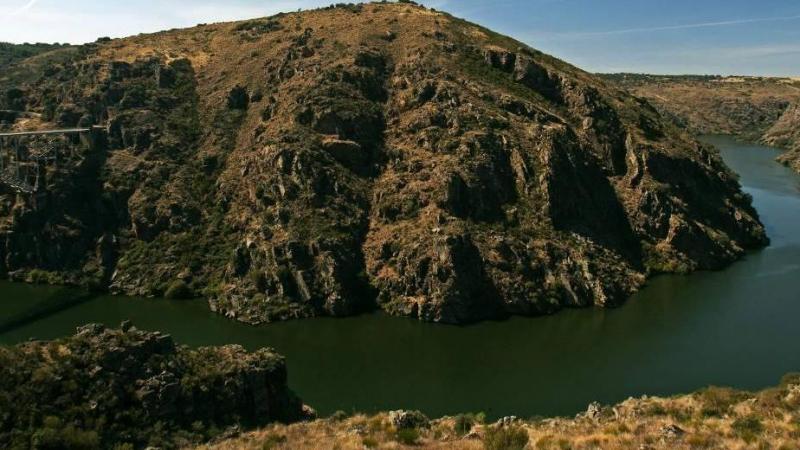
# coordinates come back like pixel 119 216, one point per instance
pixel 756 37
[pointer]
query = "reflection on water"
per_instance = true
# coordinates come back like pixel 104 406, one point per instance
pixel 735 327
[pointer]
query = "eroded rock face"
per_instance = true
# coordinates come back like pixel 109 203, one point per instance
pixel 785 133
pixel 110 387
pixel 441 174
pixel 754 109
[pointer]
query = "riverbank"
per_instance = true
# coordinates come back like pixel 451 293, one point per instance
pixel 130 389
pixel 713 418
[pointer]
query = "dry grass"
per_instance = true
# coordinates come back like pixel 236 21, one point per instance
pixel 714 418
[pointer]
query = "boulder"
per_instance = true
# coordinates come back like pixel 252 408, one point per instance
pixel 408 419
pixel 348 153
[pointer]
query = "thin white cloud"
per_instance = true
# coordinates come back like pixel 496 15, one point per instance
pixel 676 27
pixel 24 8
pixel 13 9
pixel 739 52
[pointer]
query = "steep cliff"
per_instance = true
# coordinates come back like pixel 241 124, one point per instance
pixel 785 133
pixel 755 109
pixel 102 388
pixel 325 162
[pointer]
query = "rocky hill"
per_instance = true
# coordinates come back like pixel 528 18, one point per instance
pixel 126 388
pixel 331 161
pixel 765 110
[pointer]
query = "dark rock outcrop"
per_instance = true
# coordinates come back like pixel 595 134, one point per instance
pixel 105 387
pixel 785 133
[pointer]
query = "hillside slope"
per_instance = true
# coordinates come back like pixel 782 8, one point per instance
pixel 755 109
pixel 13 53
pixel 324 162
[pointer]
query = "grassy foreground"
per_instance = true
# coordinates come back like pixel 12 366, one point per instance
pixel 714 418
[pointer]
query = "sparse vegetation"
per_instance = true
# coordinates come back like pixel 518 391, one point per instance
pixel 464 423
pixel 11 53
pixel 407 436
pixel 637 423
pixel 748 428
pixel 506 438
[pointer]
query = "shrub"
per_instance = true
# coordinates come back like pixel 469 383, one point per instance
pixel 339 416
pixel 370 442
pixel 717 401
pixel 258 26
pixel 790 378
pixel 506 438
pixel 407 436
pixel 69 437
pixel 38 276
pixel 748 428
pixel 701 441
pixel 238 98
pixel 772 398
pixel 273 441
pixel 377 425
pixel 464 424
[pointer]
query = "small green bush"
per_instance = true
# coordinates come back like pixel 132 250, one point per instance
pixel 69 437
pixel 273 441
pixel 370 442
pixel 407 436
pixel 464 424
pixel 717 400
pixel 505 438
pixel 38 276
pixel 748 428
pixel 238 98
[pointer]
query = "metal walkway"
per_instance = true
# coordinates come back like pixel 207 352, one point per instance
pixel 26 156
pixel 47 132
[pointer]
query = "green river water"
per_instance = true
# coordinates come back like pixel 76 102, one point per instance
pixel 738 327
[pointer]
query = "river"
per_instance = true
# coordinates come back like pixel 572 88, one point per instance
pixel 738 327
